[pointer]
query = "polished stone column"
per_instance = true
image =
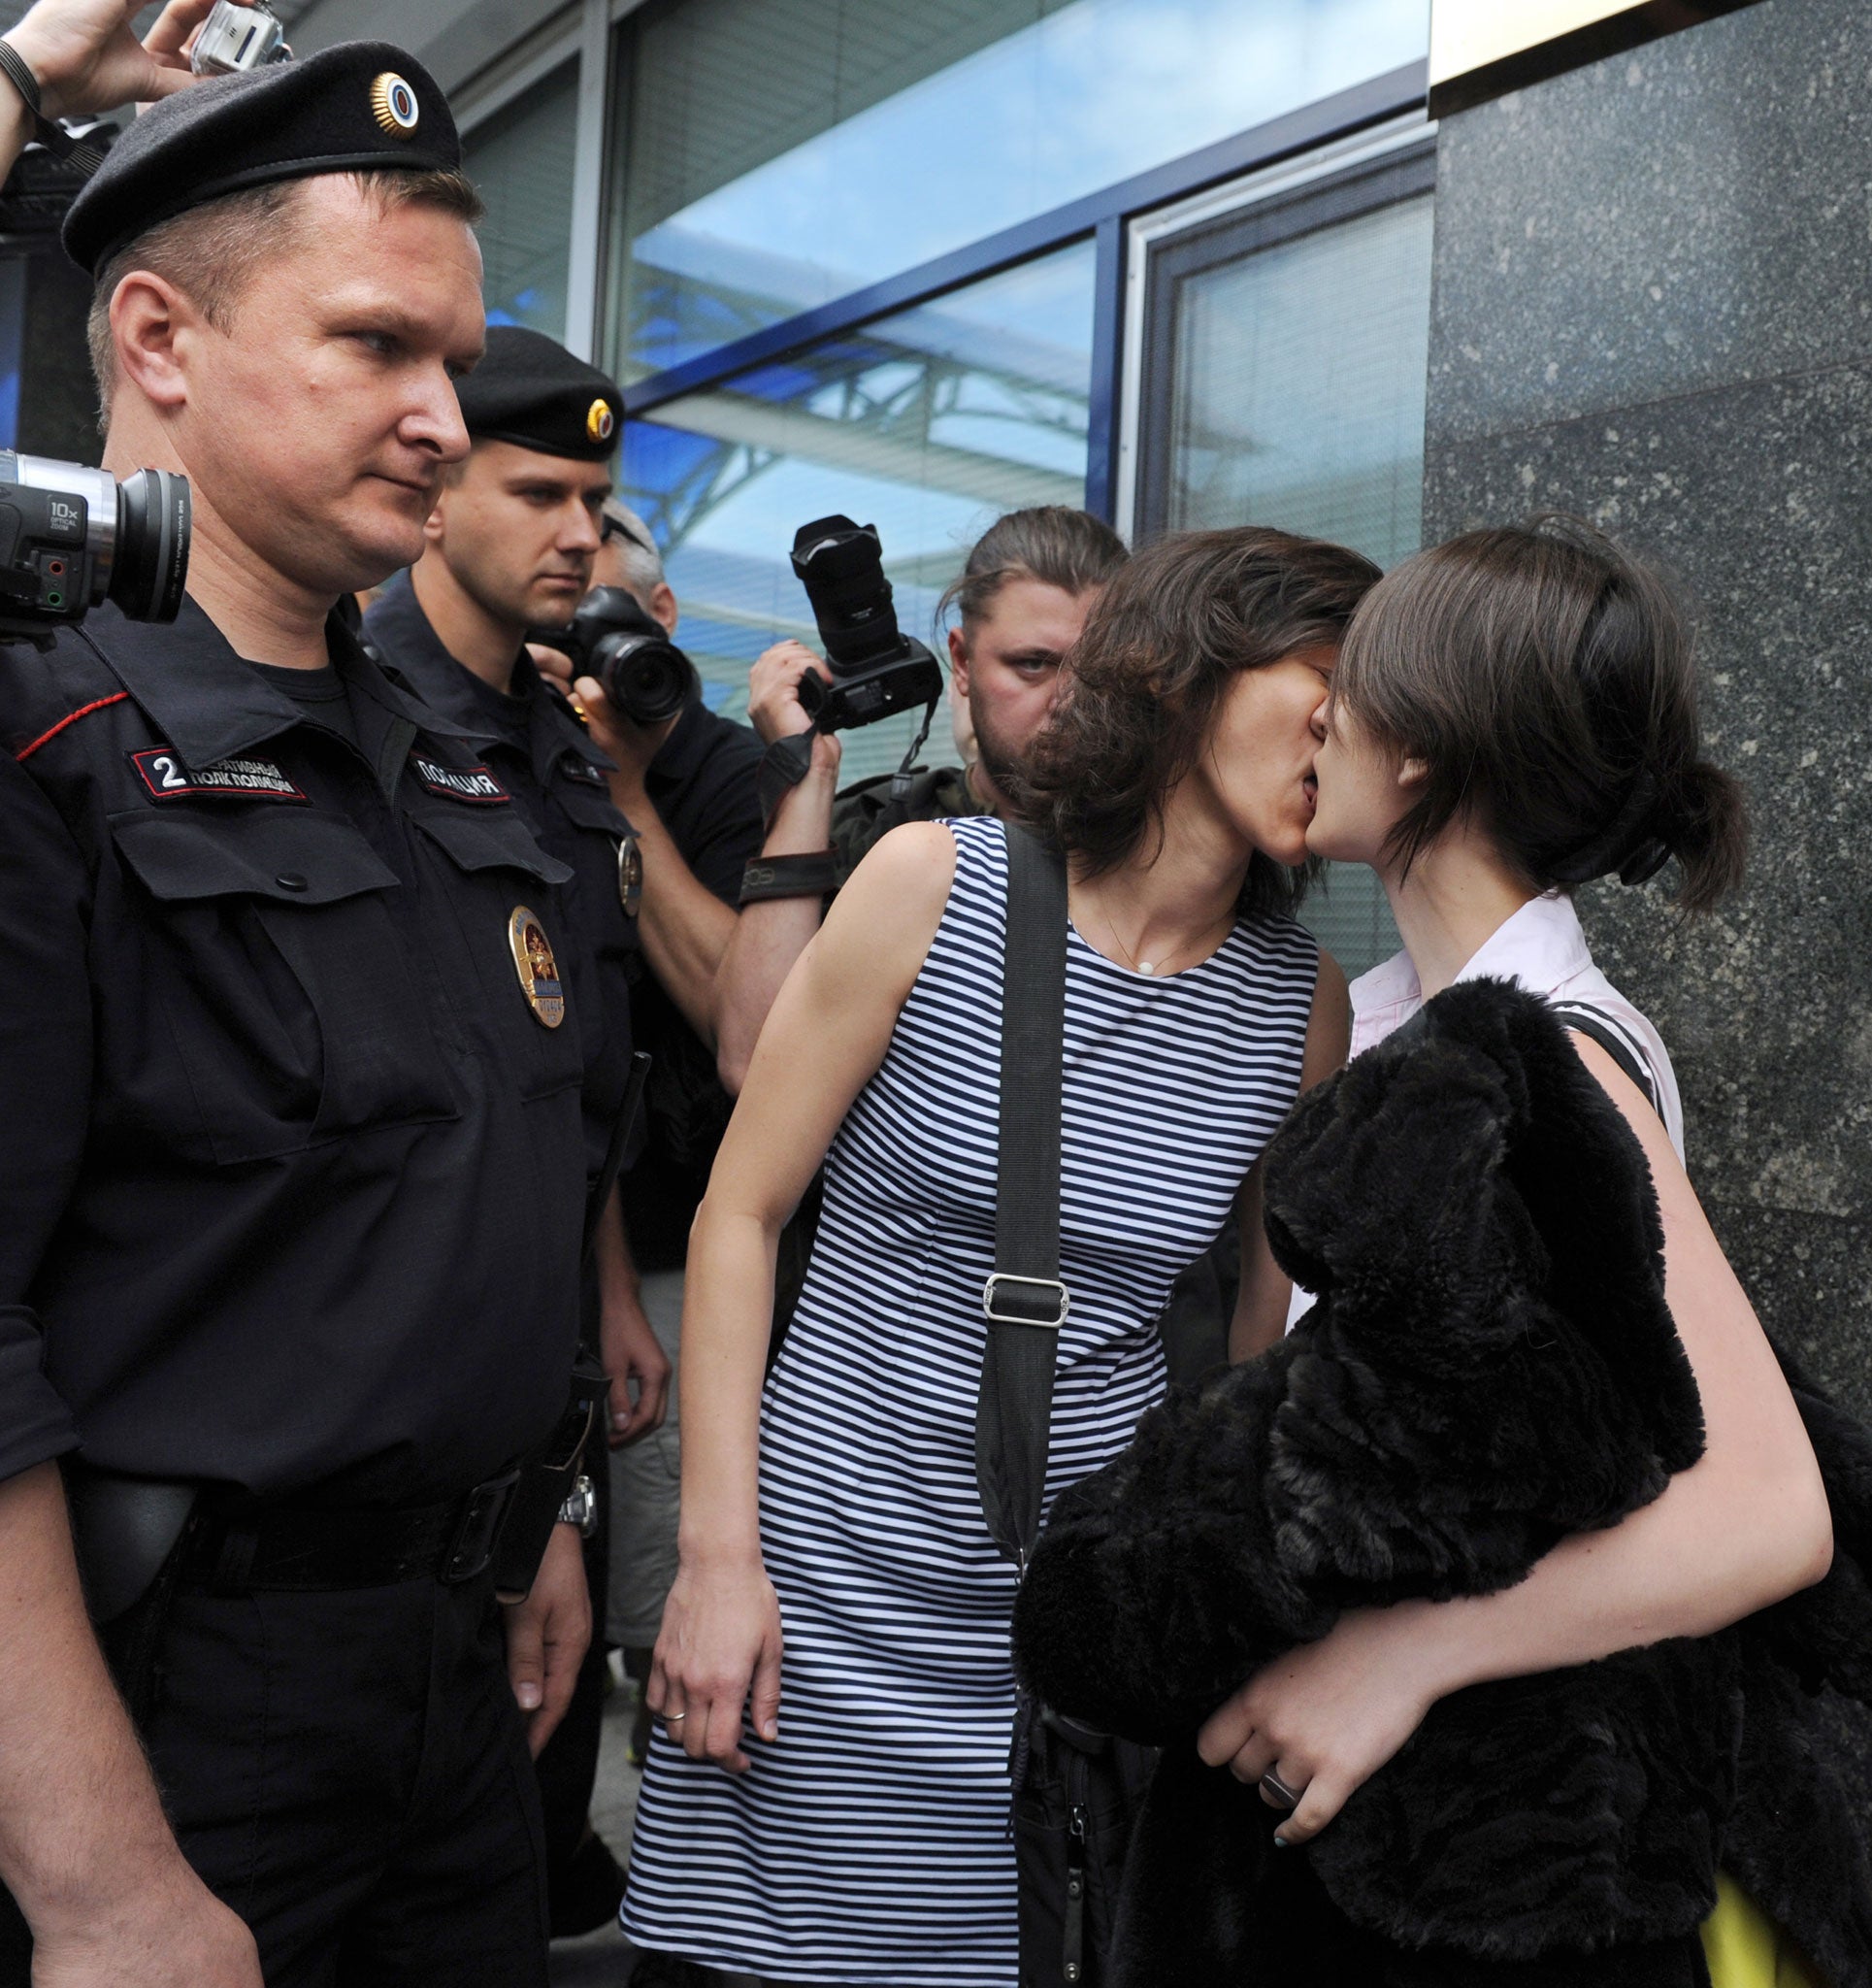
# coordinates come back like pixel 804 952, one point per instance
pixel 1654 307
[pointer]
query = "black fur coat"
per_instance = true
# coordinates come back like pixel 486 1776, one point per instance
pixel 1489 1367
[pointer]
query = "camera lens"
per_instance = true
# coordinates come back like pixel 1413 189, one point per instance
pixel 842 566
pixel 150 561
pixel 644 676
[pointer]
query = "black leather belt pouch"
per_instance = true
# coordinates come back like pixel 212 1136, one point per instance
pixel 546 1480
pixel 123 1530
pixel 128 1537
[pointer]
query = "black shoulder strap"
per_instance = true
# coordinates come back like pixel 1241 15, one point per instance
pixel 1589 1021
pixel 1024 1301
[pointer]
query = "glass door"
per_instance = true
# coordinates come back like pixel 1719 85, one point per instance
pixel 1282 349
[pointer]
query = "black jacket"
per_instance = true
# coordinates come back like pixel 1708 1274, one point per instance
pixel 544 756
pixel 1490 1368
pixel 293 1176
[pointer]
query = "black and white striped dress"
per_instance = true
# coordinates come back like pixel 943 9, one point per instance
pixel 869 1843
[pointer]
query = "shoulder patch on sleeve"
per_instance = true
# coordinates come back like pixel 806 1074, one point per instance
pixel 165 778
pixel 473 784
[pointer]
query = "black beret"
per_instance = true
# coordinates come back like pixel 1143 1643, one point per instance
pixel 357 106
pixel 529 389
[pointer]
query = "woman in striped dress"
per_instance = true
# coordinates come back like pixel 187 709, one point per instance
pixel 838 1635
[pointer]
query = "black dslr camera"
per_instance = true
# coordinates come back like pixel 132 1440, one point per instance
pixel 70 537
pixel 643 673
pixel 876 669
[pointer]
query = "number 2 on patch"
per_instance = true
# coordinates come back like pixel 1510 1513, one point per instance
pixel 171 777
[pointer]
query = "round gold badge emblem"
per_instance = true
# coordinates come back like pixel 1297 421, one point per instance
pixel 630 874
pixel 600 422
pixel 393 103
pixel 536 966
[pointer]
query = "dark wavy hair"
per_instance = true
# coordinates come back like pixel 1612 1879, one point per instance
pixel 1147 677
pixel 1546 678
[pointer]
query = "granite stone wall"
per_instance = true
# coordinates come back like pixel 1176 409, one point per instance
pixel 1653 307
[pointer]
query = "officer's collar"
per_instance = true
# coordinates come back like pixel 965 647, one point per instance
pixel 201 696
pixel 407 637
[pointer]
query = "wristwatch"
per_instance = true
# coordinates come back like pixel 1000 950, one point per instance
pixel 580 1508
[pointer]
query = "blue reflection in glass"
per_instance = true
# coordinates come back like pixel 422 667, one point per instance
pixel 929 423
pixel 521 162
pixel 1092 93
pixel 13 343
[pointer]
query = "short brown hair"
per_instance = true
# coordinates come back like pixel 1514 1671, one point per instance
pixel 1546 678
pixel 211 251
pixel 1158 655
pixel 1051 542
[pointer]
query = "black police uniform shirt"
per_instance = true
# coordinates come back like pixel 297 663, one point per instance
pixel 703 782
pixel 540 754
pixel 293 1181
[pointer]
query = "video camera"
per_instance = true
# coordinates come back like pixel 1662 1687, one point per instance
pixel 646 676
pixel 236 39
pixel 876 669
pixel 70 537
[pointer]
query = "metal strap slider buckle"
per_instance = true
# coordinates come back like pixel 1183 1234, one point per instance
pixel 1052 1285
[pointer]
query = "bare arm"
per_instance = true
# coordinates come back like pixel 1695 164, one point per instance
pixel 685 926
pixel 84 1847
pixel 1746 1526
pixel 86 58
pixel 769 936
pixel 828 1033
pixel 1261 1305
pixel 626 1339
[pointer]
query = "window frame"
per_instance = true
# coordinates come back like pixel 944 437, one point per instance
pixel 1381 176
pixel 587 35
pixel 1106 217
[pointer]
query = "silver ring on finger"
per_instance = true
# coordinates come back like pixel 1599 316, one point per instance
pixel 1276 1790
pixel 674 1718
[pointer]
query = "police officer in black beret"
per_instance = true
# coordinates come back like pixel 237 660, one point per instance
pixel 296 1166
pixel 509 549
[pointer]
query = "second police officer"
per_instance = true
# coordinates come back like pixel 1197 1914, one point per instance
pixel 509 550
pixel 292 1201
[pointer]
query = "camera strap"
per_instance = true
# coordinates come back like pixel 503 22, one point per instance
pixel 900 779
pixel 81 156
pixel 786 761
pixel 1024 1301
pixel 783 766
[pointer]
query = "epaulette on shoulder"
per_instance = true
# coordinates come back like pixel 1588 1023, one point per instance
pixel 44 692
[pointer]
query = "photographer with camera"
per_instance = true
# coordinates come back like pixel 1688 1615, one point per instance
pixel 685 777
pixel 1022 596
pixel 509 549
pixel 78 58
pixel 298 1176
pixel 682 773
